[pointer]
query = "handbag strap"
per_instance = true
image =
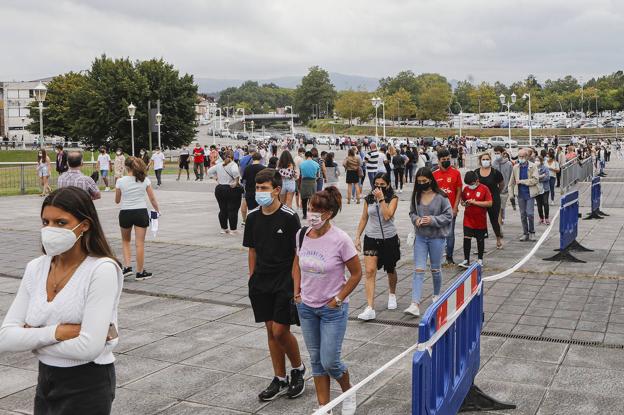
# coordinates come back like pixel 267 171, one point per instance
pixel 302 234
pixel 379 217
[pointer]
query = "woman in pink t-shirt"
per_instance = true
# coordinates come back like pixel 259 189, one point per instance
pixel 322 290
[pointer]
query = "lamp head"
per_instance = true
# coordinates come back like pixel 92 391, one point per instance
pixel 501 97
pixel 131 109
pixel 158 117
pixel 513 98
pixel 40 92
pixel 526 95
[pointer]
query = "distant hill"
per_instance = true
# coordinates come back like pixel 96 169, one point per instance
pixel 340 81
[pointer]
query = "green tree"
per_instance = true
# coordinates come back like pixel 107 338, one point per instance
pixel 400 105
pixel 315 89
pixel 434 102
pixel 484 99
pixel 462 95
pixel 406 80
pixel 353 104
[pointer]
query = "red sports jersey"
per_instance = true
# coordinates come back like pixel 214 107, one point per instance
pixel 449 181
pixel 475 217
pixel 198 155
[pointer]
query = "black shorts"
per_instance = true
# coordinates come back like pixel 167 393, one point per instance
pixel 387 251
pixel 134 217
pixel 270 306
pixel 184 164
pixel 475 233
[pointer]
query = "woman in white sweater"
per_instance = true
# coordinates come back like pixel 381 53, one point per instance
pixel 65 310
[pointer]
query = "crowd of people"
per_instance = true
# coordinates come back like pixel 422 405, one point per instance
pixel 67 304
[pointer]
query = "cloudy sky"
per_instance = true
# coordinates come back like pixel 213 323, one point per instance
pixel 482 39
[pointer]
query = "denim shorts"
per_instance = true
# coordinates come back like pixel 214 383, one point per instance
pixel 104 173
pixel 288 186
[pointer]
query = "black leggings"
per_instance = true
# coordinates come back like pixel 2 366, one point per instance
pixel 543 210
pixel 398 178
pixel 493 213
pixel 229 200
pixel 409 173
pixel 304 206
pixel 468 246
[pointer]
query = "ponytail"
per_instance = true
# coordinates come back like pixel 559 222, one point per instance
pixel 329 199
pixel 137 167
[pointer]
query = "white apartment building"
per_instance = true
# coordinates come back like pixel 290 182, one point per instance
pixel 15 98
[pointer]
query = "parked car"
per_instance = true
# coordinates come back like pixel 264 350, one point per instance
pixel 242 136
pixel 502 141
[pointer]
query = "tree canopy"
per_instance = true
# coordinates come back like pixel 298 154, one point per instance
pixel 315 89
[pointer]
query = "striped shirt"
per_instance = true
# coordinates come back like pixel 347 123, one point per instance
pixel 74 177
pixel 371 160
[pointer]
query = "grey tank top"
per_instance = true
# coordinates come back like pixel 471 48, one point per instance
pixel 373 228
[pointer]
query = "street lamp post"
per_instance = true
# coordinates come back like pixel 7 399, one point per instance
pixel 158 120
pixel 292 119
pixel 376 103
pixel 461 114
pixel 244 123
pixel 40 95
pixel 131 112
pixel 528 96
pixel 252 127
pixel 508 104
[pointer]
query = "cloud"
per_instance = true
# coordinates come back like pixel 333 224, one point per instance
pixel 489 39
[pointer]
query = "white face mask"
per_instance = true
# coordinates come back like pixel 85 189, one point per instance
pixel 486 163
pixel 58 240
pixel 473 186
pixel 315 220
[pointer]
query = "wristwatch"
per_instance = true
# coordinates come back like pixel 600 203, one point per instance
pixel 338 301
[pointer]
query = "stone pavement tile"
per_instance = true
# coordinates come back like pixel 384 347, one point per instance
pixel 3 412
pixel 130 368
pixel 565 334
pixel 129 402
pixel 357 374
pixel 188 408
pixel 372 355
pixel 14 380
pixel 513 309
pixel 13 359
pixel 169 324
pixel 132 339
pixel 22 401
pixel 561 402
pixel 598 326
pixel 538 311
pixel 505 318
pixel 227 357
pixel 364 331
pixel 613 318
pixel 217 332
pixel 172 349
pixel 238 392
pixel 567 314
pixel 511 370
pixel 303 405
pixel 533 351
pixel 526 330
pixel 397 336
pixel 256 339
pixel 615 328
pixel 498 327
pixel 526 397
pixel 384 406
pixel 595 316
pixel 244 317
pixel 596 357
pixel 614 338
pixel 178 381
pixel 490 345
pixel 533 321
pixel 399 387
pixel 588 336
pixel 561 323
pixel 583 380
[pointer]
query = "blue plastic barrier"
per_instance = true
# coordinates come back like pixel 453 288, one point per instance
pixel 443 374
pixel 596 193
pixel 568 219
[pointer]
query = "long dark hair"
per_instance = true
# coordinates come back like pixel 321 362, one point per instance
pixel 388 194
pixel 425 172
pixel 43 157
pixel 285 160
pixel 78 203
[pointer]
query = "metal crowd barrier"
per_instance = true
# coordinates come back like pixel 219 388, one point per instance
pixel 574 171
pixel 22 177
pixel 448 357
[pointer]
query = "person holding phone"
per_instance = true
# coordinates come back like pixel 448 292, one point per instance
pixel 65 310
pixel 477 199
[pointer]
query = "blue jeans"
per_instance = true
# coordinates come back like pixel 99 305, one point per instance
pixel 371 178
pixel 323 330
pixel 527 215
pixel 432 248
pixel 450 239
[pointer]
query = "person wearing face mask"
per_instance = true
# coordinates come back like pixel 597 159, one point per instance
pixel 381 242
pixel 477 199
pixel 502 163
pixel 103 166
pixel 554 170
pixel 543 209
pixel 228 192
pixel 198 162
pixel 65 310
pixel 158 162
pixel 322 293
pixel 309 170
pixel 495 182
pixel 524 183
pixel 145 156
pixel 270 238
pixel 450 181
pixel 119 164
pixel 431 214
pixel 183 164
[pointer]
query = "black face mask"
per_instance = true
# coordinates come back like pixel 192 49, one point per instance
pixel 421 187
pixel 446 164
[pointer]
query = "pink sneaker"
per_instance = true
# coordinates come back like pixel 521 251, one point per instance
pixel 547 221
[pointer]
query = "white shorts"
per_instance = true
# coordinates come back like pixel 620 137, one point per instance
pixel 288 186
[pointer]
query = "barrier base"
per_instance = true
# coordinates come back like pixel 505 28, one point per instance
pixel 574 246
pixel 477 401
pixel 593 215
pixel 565 256
pixel 601 213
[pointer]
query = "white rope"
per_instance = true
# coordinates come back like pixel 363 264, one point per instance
pixel 420 346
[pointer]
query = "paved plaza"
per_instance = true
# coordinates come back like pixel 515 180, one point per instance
pixel 553 338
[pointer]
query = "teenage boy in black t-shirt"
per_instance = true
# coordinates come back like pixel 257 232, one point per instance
pixel 270 234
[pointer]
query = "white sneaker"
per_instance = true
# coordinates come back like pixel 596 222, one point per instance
pixel 464 264
pixel 233 232
pixel 367 314
pixel 107 189
pixel 435 298
pixel 413 309
pixel 328 413
pixel 400 190
pixel 224 231
pixel 392 302
pixel 480 262
pixel 349 405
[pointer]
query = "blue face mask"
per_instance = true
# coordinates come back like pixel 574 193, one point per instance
pixel 264 198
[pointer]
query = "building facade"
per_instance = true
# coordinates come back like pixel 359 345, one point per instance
pixel 15 99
